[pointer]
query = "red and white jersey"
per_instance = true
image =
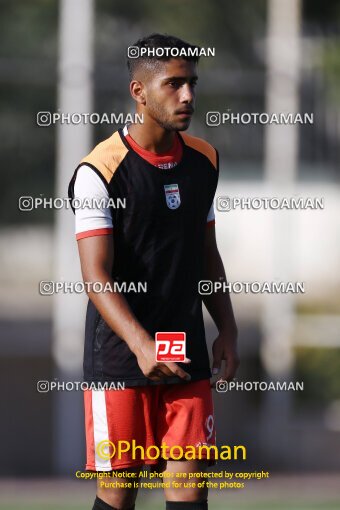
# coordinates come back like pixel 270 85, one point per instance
pixel 158 238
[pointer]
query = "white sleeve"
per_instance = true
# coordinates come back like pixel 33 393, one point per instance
pixel 94 217
pixel 211 214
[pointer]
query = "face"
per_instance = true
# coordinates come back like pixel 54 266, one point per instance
pixel 170 94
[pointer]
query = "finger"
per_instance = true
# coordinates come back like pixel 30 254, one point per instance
pixel 155 375
pixel 177 370
pixel 162 375
pixel 230 368
pixel 167 370
pixel 164 370
pixel 155 378
pixel 216 366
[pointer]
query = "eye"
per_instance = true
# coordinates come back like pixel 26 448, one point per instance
pixel 174 84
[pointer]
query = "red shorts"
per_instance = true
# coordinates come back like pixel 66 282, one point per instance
pixel 149 416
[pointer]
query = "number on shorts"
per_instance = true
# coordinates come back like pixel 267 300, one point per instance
pixel 209 423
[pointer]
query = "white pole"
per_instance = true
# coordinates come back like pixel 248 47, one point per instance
pixel 282 93
pixel 281 152
pixel 76 28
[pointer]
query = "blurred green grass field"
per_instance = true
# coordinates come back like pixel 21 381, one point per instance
pixel 159 504
pixel 280 492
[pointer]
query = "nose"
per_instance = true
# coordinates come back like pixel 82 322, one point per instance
pixel 187 94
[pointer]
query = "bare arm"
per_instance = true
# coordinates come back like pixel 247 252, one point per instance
pixel 220 308
pixel 96 258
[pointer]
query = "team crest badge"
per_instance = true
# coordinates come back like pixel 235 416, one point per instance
pixel 173 199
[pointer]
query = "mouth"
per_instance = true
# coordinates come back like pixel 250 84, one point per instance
pixel 185 114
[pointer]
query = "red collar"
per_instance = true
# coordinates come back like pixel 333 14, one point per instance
pixel 174 155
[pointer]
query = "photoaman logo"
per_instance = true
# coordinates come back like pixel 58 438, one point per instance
pixel 107 450
pixel 170 346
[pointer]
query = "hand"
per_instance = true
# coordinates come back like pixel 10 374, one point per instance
pixel 146 357
pixel 225 348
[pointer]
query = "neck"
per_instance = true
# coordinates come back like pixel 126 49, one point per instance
pixel 151 136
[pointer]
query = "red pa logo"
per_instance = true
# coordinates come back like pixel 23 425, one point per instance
pixel 170 346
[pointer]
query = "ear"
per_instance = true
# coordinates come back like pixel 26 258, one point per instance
pixel 137 91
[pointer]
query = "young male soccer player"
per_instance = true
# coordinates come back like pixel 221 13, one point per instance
pixel 165 236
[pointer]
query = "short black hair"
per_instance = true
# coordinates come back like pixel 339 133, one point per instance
pixel 178 49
